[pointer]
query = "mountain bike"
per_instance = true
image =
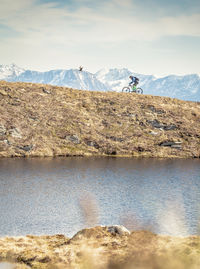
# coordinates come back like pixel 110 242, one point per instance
pixel 132 89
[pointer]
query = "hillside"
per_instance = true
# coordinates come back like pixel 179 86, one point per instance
pixel 45 120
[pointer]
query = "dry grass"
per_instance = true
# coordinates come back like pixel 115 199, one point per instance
pixel 96 248
pixel 45 120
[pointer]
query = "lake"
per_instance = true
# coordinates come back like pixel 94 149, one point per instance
pixel 63 195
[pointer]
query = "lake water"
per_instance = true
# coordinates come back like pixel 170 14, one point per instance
pixel 64 195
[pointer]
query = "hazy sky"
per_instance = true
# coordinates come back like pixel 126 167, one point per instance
pixel 149 36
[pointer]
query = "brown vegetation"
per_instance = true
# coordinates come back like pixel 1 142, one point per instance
pixel 45 120
pixel 96 248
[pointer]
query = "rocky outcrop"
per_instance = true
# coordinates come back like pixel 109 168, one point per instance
pixel 118 229
pixel 44 120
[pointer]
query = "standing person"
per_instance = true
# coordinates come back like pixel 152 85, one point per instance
pixel 81 68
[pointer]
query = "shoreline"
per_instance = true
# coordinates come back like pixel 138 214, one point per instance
pixel 98 156
pixel 99 247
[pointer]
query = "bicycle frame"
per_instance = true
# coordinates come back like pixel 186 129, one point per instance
pixel 133 88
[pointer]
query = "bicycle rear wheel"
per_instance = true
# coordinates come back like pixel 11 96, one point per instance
pixel 139 90
pixel 126 89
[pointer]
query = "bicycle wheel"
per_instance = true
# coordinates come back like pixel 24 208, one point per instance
pixel 139 90
pixel 126 89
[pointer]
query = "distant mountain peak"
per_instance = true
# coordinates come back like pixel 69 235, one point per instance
pixel 11 70
pixel 186 87
pixel 72 78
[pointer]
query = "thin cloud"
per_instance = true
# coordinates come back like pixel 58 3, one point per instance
pixel 89 25
pixel 87 29
pixel 182 25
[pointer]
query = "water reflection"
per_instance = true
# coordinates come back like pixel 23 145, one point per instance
pixel 42 196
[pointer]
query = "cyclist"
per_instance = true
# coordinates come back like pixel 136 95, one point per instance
pixel 134 82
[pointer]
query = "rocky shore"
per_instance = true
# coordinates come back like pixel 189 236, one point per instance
pixel 44 120
pixel 101 248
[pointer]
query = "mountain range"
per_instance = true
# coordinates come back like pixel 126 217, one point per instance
pixel 185 87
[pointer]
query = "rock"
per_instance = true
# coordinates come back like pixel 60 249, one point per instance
pixel 130 114
pixel 2 130
pixel 118 229
pixel 176 146
pixel 73 138
pixel 169 127
pixel 156 124
pixel 92 144
pixel 171 143
pixel 6 141
pixel 114 138
pixel 15 132
pixel 140 149
pixel 100 232
pixel 26 147
pixel 166 144
pixel 153 109
pixel 46 91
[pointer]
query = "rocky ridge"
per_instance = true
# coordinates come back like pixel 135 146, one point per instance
pixel 44 120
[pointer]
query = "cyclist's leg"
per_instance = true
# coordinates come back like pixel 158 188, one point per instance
pixel 134 88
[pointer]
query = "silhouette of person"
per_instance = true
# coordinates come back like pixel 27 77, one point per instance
pixel 81 68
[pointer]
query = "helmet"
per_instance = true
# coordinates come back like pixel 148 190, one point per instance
pixel 130 76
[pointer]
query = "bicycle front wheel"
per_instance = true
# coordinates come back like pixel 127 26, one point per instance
pixel 139 90
pixel 126 89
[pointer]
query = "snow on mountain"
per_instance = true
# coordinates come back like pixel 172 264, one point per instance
pixel 70 78
pixel 8 71
pixel 116 79
pixel 182 87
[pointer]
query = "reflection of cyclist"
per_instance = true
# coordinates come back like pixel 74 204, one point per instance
pixel 134 82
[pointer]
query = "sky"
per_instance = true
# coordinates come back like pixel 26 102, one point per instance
pixel 147 36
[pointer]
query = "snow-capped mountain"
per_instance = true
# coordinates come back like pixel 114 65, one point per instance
pixel 182 87
pixel 116 79
pixel 9 71
pixel 71 78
